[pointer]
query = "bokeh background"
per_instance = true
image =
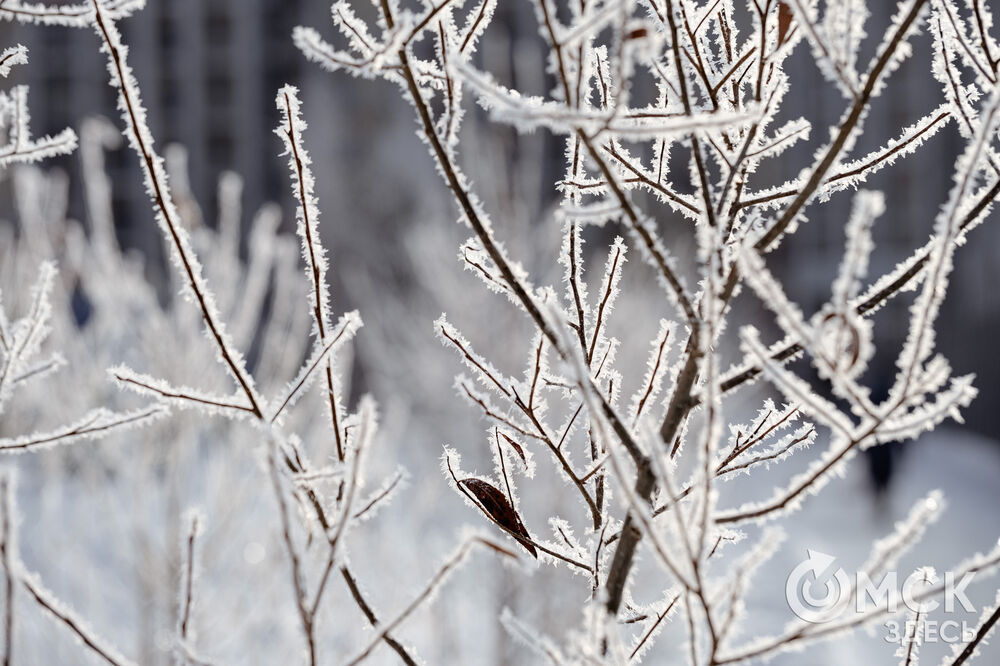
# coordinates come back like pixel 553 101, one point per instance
pixel 209 71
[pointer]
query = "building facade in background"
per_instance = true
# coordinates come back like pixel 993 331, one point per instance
pixel 208 70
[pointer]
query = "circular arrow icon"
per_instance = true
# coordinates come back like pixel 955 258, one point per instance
pixel 817 589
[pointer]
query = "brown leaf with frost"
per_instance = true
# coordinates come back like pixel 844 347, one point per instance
pixel 495 504
pixel 517 449
pixel 784 21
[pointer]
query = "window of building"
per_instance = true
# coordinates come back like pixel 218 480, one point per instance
pixel 218 90
pixel 167 33
pixel 218 27
pixel 220 149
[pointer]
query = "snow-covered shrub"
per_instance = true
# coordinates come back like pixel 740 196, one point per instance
pixel 717 88
pixel 638 84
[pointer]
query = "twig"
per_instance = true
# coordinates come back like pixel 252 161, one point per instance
pixel 141 142
pixel 5 555
pixel 188 578
pixel 431 586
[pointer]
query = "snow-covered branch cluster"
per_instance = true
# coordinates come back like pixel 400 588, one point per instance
pixel 317 504
pixel 648 454
pixel 634 83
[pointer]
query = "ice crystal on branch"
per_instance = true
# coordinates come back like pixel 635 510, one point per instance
pixel 720 85
pixel 622 472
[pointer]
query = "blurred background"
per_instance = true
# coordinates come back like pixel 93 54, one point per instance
pixel 209 71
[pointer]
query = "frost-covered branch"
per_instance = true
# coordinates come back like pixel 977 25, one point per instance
pixel 32 584
pixel 141 141
pixel 429 590
pixel 624 472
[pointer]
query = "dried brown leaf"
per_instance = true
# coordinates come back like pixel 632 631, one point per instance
pixel 784 21
pixel 517 449
pixel 495 504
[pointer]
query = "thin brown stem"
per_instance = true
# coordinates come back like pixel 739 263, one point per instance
pixel 844 131
pixel 5 557
pixel 318 287
pixel 298 581
pixel 188 598
pixel 359 599
pixel 161 197
pixel 984 630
